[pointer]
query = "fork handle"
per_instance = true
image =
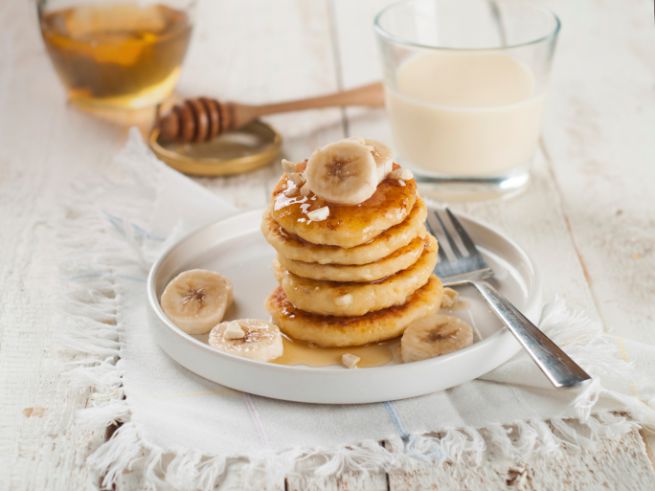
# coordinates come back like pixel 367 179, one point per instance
pixel 560 369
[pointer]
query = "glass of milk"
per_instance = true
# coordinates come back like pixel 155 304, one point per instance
pixel 465 82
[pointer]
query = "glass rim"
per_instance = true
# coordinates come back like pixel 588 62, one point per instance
pixel 384 33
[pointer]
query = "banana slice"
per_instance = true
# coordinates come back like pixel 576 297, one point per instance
pixel 249 338
pixel 344 172
pixel 382 155
pixel 196 300
pixel 434 335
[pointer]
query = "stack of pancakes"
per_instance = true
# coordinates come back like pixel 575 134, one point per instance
pixel 359 276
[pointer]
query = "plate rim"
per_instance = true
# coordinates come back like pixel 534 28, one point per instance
pixel 155 307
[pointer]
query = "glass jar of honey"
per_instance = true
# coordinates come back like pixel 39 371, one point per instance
pixel 116 53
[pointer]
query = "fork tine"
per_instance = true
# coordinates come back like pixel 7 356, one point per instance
pixel 472 250
pixel 463 235
pixel 430 227
pixel 449 237
pixel 441 252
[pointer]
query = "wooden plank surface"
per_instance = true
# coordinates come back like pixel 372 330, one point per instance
pixel 42 144
pixel 599 136
pixel 618 466
pixel 596 158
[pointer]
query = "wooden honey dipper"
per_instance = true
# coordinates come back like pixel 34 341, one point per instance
pixel 201 119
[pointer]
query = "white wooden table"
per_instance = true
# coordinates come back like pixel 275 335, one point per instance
pixel 588 217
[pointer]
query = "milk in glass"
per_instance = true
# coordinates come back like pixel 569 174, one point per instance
pixel 464 113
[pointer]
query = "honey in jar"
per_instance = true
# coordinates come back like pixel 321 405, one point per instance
pixel 118 55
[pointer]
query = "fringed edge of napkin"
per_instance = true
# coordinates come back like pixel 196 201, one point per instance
pixel 96 240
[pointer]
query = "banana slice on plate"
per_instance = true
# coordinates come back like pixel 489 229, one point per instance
pixel 434 335
pixel 196 300
pixel 250 338
pixel 344 172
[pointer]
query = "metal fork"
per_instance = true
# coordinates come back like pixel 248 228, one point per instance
pixel 468 267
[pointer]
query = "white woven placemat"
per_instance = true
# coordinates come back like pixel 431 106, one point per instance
pixel 186 431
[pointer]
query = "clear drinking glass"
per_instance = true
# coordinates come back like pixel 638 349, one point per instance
pixel 122 54
pixel 465 82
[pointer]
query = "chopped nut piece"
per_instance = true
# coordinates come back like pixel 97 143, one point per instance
pixel 401 173
pixel 234 331
pixel 294 181
pixel 291 188
pixel 288 166
pixel 319 214
pixel 406 174
pixel 349 360
pixel 344 300
pixel 449 298
pixel 297 178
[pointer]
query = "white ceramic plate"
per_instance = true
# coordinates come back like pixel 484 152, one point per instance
pixel 235 248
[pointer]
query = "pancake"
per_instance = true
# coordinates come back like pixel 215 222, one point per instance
pixel 294 248
pixel 328 331
pixel 348 299
pixel 398 260
pixel 346 225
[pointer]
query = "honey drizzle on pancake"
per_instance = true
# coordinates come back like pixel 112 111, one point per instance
pixel 390 198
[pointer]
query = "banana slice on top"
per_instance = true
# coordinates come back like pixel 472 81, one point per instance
pixel 344 172
pixel 382 155
pixel 196 300
pixel 434 335
pixel 249 338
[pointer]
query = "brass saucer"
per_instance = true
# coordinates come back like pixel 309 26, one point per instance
pixel 251 147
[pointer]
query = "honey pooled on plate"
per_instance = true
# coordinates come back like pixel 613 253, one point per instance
pixel 371 355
